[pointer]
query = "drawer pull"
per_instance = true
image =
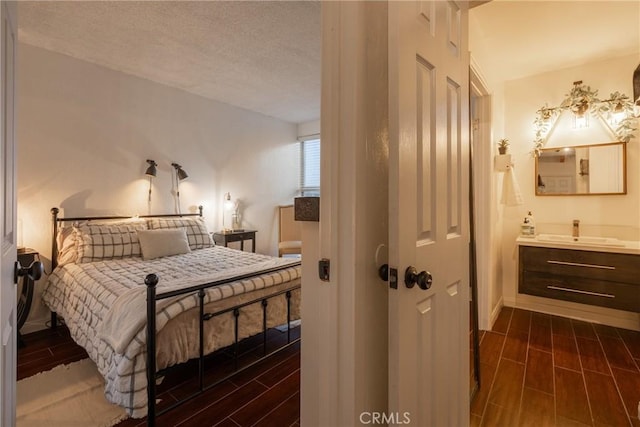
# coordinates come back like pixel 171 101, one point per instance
pixel 578 291
pixel 577 264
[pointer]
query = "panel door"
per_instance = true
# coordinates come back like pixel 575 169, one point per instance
pixel 429 213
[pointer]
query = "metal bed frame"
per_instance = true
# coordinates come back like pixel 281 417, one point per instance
pixel 152 280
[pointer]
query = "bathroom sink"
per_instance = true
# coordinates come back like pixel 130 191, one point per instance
pixel 582 240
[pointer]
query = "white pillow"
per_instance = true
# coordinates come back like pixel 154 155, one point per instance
pixel 163 242
pixel 197 232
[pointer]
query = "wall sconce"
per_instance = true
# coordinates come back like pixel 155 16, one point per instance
pixel 151 173
pixel 618 114
pixel 180 175
pixel 581 121
pixel 580 105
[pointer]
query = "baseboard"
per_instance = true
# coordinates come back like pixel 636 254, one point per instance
pixel 495 313
pixel 34 325
pixel 610 317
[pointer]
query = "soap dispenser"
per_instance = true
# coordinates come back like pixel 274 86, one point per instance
pixel 532 224
pixel 527 228
pixel 524 227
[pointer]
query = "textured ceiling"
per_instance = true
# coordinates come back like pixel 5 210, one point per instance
pixel 265 56
pixel 514 39
pixel 260 55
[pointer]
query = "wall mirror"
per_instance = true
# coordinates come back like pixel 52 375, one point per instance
pixel 597 169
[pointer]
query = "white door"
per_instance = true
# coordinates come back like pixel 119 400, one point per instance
pixel 428 212
pixel 7 215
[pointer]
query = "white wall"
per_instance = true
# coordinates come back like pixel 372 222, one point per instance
pixel 614 216
pixel 85 131
pixel 344 356
pixel 308 129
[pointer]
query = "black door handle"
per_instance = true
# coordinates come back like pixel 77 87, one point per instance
pixel 383 272
pixel 412 277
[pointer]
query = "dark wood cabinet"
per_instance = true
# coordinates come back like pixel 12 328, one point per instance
pixel 597 278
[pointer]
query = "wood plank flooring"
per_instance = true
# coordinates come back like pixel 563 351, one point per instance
pixel 267 394
pixel 542 370
pixel 536 370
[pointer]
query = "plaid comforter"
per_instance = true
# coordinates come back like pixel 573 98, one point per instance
pixel 86 294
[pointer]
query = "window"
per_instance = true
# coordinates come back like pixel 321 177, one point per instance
pixel 310 167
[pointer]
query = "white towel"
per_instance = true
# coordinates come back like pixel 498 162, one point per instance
pixel 511 195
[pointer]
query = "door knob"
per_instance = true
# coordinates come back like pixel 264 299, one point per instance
pixel 412 277
pixel 383 272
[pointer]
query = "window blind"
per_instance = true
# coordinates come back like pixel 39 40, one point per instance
pixel 310 167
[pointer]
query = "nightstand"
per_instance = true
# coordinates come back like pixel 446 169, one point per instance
pixel 25 256
pixel 224 238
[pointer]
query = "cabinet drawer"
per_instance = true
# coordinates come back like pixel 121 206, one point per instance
pixel 621 296
pixel 611 267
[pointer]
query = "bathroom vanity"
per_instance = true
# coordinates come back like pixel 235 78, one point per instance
pixel 594 270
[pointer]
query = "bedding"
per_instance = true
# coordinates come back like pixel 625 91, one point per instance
pixel 104 306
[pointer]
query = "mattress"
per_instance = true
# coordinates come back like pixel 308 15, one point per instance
pixel 104 306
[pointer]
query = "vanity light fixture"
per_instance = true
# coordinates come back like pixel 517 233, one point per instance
pixel 618 113
pixel 180 176
pixel 580 105
pixel 581 121
pixel 151 172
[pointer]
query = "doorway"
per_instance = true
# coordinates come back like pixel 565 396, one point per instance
pixel 481 206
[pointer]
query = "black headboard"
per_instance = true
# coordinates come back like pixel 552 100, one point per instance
pixel 59 220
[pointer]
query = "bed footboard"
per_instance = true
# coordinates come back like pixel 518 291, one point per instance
pixel 151 282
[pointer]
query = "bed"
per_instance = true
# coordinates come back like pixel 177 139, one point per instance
pixel 199 297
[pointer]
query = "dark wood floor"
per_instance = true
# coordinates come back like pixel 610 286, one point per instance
pixel 542 370
pixel 267 394
pixel 536 370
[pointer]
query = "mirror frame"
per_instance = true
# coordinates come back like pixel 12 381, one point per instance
pixel 624 170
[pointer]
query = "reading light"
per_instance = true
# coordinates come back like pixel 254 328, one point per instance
pixel 180 176
pixel 151 172
pixel 180 173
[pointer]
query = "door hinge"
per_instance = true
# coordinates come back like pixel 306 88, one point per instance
pixel 324 269
pixel 476 124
